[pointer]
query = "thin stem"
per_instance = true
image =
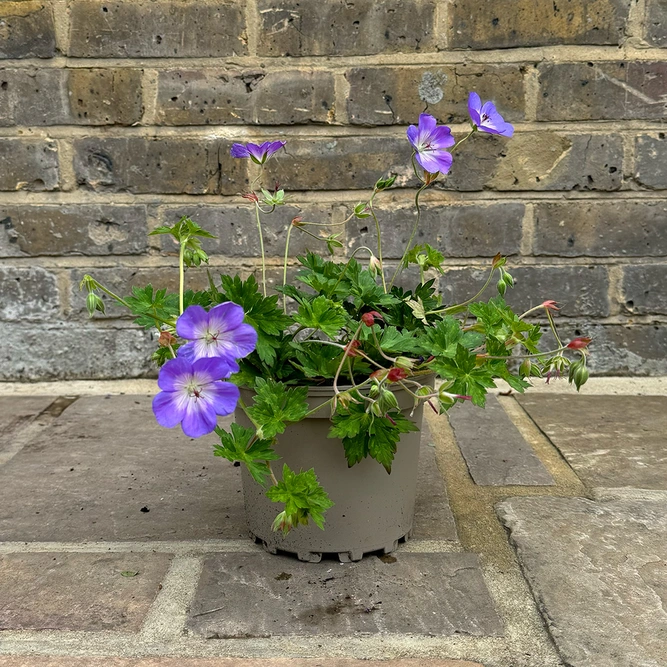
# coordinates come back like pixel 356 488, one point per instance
pixel 289 233
pixel 181 275
pixel 552 324
pixel 119 299
pixel 562 348
pixel 400 267
pixel 465 303
pixel 342 361
pixel 458 143
pixel 261 247
pixel 271 475
pixel 377 344
pixel 347 264
pixel 379 236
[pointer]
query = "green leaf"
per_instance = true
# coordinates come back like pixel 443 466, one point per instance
pixel 426 257
pixel 393 340
pixel 469 378
pixel 304 499
pixel 274 405
pixel 364 434
pixel 148 306
pixel 240 445
pixel 322 314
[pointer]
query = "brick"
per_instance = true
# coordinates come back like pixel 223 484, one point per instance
pixel 391 95
pixel 601 229
pixel 644 289
pixel 70 591
pixel 363 27
pixel 656 22
pixel 121 280
pixel 72 229
pixel 28 294
pixel 456 230
pixel 421 594
pixel 511 460
pixel 162 29
pixel 602 91
pixel 342 163
pixel 538 161
pixel 579 290
pixel 161 165
pixel 27 30
pixel 474 24
pixel 628 460
pixel 28 164
pixel 45 661
pixel 48 351
pixel 236 229
pixel 651 161
pixel 244 97
pixel 70 97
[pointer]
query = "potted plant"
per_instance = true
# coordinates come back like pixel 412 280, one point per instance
pixel 330 375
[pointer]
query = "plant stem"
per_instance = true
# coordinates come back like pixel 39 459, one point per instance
pixel 379 236
pixel 347 264
pixel 400 267
pixel 562 348
pixel 458 143
pixel 289 233
pixel 261 247
pixel 552 324
pixel 465 303
pixel 120 300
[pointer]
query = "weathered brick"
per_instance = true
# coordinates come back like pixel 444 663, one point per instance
pixel 363 27
pixel 342 163
pixel 121 280
pixel 544 160
pixel 65 97
pixel 601 229
pixel 156 29
pixel 579 290
pixel 602 91
pixel 644 289
pixel 137 164
pixel 656 22
pixel 456 230
pixel 389 95
pixel 244 97
pixel 27 30
pixel 236 229
pixel 28 294
pixel 48 351
pixel 72 229
pixel 651 161
pixel 476 24
pixel 28 164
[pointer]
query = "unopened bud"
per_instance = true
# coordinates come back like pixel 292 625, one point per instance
pixel 405 363
pixel 396 374
pixel 374 265
pixel 93 303
pixel 525 368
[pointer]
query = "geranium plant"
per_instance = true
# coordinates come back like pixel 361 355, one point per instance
pixel 345 324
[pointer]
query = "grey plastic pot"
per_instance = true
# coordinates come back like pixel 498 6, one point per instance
pixel 373 510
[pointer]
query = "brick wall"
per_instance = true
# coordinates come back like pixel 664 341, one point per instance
pixel 117 116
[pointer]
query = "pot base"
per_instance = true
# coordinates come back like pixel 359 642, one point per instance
pixel 343 557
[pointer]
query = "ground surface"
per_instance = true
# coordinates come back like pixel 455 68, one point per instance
pixel 540 541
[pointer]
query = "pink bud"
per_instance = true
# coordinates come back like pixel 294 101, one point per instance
pixel 578 343
pixel 396 374
pixel 550 305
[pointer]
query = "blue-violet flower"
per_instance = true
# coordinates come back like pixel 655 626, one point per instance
pixel 486 118
pixel 258 153
pixel 193 395
pixel 429 142
pixel 220 332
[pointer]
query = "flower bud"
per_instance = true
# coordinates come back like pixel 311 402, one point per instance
pixel 93 303
pixel 502 287
pixel 388 400
pixel 369 318
pixel 405 363
pixel 578 343
pixel 374 265
pixel 396 374
pixel 525 368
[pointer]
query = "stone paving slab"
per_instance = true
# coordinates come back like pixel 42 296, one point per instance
pixel 599 574
pixel 105 461
pixel 610 441
pixel 495 452
pixel 15 411
pixel 407 593
pixel 102 465
pixel 41 661
pixel 76 591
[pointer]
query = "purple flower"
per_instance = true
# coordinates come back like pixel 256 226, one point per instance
pixel 220 332
pixel 429 143
pixel 486 118
pixel 192 395
pixel 258 153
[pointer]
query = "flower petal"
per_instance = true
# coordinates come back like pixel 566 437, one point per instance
pixel 474 107
pixel 435 161
pixel 199 419
pixel 239 150
pixel 193 323
pixel 175 374
pixel 222 396
pixel 413 134
pixel 427 124
pixel 212 369
pixel 241 341
pixel 224 317
pixel 273 147
pixel 256 152
pixel 169 408
pixel 441 137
